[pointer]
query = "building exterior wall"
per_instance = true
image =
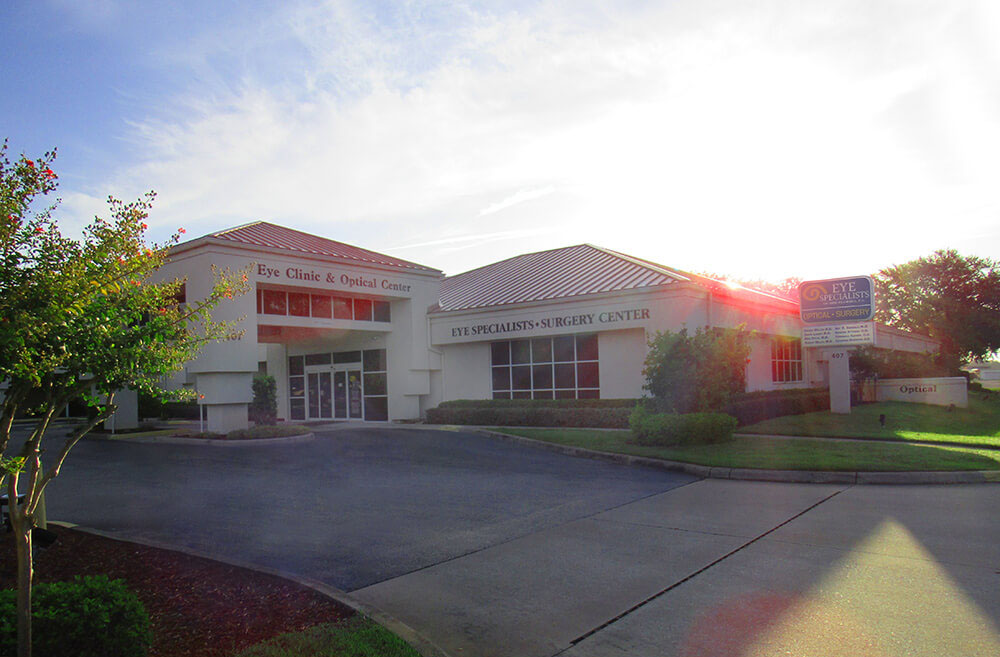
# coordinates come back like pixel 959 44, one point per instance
pixel 466 371
pixel 223 371
pixel 622 354
pixel 433 355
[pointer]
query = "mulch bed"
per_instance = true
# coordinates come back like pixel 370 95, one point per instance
pixel 197 606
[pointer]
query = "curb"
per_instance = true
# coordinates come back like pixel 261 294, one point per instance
pixel 418 642
pixel 211 442
pixel 750 474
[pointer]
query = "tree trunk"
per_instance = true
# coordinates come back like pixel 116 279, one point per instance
pixel 24 574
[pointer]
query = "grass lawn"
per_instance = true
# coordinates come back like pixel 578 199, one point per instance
pixel 781 453
pixel 979 424
pixel 357 637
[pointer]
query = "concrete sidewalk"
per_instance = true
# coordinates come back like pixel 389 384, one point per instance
pixel 728 568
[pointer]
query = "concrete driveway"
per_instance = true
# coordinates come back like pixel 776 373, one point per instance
pixel 489 548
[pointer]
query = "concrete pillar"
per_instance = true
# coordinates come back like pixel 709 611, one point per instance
pixel 227 396
pixel 840 380
pixel 127 415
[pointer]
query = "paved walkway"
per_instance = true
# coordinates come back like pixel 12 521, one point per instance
pixel 725 568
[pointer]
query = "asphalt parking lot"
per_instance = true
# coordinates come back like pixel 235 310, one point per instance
pixel 493 549
pixel 351 508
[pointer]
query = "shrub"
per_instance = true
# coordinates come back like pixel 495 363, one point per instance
pixel 264 407
pixel 874 363
pixel 84 617
pixel 531 416
pixel 539 403
pixel 180 410
pixel 266 431
pixel 759 406
pixel 699 372
pixel 673 429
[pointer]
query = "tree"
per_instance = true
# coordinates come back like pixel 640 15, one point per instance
pixel 697 373
pixel 264 407
pixel 79 319
pixel 787 288
pixel 952 298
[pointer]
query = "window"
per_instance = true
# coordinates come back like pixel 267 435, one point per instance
pixel 298 304
pixel 296 388
pixel 363 310
pixel 275 302
pixel 376 385
pixel 564 367
pixel 786 360
pixel 322 306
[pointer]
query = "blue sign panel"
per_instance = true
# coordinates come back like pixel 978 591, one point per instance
pixel 837 300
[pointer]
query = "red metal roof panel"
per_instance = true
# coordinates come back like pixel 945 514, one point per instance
pixel 272 236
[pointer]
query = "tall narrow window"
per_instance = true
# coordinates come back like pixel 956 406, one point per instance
pixel 786 360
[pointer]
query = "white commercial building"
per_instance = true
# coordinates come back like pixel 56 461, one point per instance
pixel 349 333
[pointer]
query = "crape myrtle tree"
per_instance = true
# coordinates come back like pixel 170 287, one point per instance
pixel 79 319
pixel 950 297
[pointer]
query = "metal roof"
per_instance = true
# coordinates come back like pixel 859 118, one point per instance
pixel 272 236
pixel 565 272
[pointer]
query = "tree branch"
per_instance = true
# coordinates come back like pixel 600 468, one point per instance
pixel 53 471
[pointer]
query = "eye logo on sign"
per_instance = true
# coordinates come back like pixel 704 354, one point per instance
pixel 813 292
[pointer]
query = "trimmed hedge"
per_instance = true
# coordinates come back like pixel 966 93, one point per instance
pixel 85 617
pixel 540 403
pixel 674 429
pixel 509 415
pixel 759 406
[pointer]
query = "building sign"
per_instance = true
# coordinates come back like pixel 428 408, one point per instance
pixel 362 282
pixel 838 335
pixel 598 319
pixel 943 391
pixel 837 300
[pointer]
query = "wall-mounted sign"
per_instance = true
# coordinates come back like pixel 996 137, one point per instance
pixel 356 281
pixel 837 300
pixel 838 335
pixel 551 322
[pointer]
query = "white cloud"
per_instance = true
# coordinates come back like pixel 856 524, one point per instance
pixel 770 141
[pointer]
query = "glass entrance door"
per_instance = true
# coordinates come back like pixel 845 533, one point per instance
pixel 320 394
pixel 347 394
pixel 354 406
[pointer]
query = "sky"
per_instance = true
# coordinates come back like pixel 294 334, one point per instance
pixel 761 140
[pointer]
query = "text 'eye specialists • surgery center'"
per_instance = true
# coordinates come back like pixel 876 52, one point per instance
pixel 351 334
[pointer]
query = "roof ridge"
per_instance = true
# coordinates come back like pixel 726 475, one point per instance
pixel 232 228
pixel 516 257
pixel 649 264
pixel 266 233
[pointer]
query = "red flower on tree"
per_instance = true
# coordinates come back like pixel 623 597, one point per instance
pixel 181 231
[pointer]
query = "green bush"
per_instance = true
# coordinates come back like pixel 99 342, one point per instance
pixel 264 407
pixel 875 363
pixel 700 372
pixel 84 617
pixel 673 429
pixel 756 407
pixel 539 403
pixel 267 431
pixel 531 416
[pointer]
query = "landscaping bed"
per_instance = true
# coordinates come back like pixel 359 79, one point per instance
pixel 760 452
pixel 197 606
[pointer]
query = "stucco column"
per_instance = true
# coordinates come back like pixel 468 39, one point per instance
pixel 840 380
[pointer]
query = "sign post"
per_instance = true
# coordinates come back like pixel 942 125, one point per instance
pixel 838 313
